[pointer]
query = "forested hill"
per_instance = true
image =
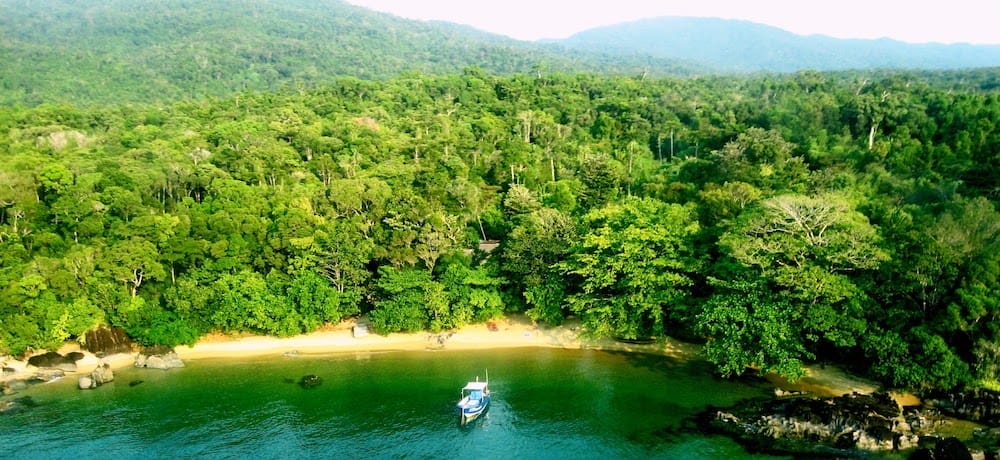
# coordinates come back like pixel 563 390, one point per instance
pixel 780 219
pixel 733 45
pixel 84 51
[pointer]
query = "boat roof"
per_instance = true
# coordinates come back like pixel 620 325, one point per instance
pixel 475 386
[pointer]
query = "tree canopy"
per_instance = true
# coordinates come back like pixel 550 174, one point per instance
pixel 779 219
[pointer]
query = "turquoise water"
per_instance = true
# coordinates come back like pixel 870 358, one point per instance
pixel 547 403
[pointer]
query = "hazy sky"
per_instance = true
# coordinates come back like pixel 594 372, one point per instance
pixel 917 21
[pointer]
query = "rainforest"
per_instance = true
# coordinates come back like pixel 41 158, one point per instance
pixel 839 217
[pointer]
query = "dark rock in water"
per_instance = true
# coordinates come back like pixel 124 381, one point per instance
pixel 105 341
pixel 310 381
pixel 135 382
pixel 8 371
pixel 46 375
pixel 977 405
pixel 951 449
pixel 17 405
pixel 841 426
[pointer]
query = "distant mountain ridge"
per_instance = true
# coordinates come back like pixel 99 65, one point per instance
pixel 138 50
pixel 128 51
pixel 736 45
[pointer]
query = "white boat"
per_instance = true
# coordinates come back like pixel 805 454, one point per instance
pixel 474 401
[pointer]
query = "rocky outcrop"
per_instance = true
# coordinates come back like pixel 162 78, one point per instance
pixel 841 426
pixel 106 341
pixel 943 449
pixel 54 360
pixel 103 374
pixel 46 375
pixel 977 405
pixel 158 358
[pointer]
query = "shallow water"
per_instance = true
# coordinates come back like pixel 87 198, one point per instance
pixel 547 403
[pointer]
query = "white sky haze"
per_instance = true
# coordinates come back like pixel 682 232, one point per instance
pixel 914 21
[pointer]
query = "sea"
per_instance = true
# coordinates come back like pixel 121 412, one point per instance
pixel 547 404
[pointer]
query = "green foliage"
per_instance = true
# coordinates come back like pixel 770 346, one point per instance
pixel 407 300
pixel 748 325
pixel 134 51
pixel 634 263
pixel 245 303
pixel 763 215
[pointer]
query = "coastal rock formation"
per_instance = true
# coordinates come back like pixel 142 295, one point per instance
pixel 822 426
pixel 943 449
pixel 46 375
pixel 105 341
pixel 54 360
pixel 158 358
pixel 103 374
pixel 977 405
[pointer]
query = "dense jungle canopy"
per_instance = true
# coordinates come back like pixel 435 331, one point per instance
pixel 780 220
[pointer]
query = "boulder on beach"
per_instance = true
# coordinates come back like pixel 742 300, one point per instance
pixel 54 360
pixel 105 341
pixel 158 359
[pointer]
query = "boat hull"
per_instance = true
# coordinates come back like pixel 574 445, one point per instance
pixel 468 414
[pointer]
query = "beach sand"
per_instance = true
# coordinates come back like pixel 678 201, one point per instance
pixel 511 332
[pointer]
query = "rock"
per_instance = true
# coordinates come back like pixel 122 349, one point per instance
pixel 102 375
pixel 46 375
pixel 17 405
pixel 105 341
pixel 977 405
pixel 55 360
pixel 168 360
pixel 8 371
pixel 86 383
pixel 6 390
pixel 805 426
pixel 951 449
pixel 17 384
pixel 310 381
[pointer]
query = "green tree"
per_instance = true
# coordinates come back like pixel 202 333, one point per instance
pixel 634 264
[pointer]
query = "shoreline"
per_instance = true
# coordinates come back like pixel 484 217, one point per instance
pixel 515 331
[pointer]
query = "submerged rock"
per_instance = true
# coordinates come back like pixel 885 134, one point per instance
pixel 310 381
pixel 16 405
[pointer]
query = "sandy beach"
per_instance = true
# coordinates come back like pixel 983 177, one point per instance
pixel 511 332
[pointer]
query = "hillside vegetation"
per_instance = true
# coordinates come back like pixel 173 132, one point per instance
pixel 780 220
pixel 121 51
